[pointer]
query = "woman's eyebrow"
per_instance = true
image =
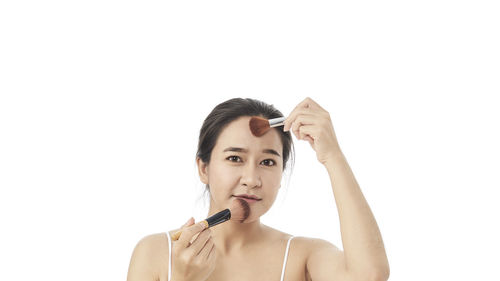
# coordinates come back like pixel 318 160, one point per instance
pixel 239 149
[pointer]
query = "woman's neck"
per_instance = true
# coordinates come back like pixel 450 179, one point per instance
pixel 232 236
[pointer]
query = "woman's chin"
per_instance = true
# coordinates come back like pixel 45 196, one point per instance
pixel 250 219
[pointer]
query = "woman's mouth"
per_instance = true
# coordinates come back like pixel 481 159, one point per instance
pixel 248 198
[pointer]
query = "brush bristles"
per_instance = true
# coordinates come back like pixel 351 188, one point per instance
pixel 259 126
pixel 240 210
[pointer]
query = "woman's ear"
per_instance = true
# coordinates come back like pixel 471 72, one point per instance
pixel 202 170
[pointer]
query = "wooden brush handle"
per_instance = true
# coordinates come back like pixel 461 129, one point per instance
pixel 176 235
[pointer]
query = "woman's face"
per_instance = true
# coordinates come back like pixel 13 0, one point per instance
pixel 243 164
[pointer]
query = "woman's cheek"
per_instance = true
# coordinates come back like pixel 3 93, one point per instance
pixel 224 173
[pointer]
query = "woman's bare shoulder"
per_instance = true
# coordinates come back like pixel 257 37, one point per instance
pixel 310 243
pixel 158 242
pixel 155 243
pixel 315 243
pixel 148 258
pixel 314 255
pixel 323 260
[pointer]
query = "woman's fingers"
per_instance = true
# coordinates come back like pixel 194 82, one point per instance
pixel 294 114
pixel 193 253
pixel 178 232
pixel 200 241
pixel 307 106
pixel 213 253
pixel 207 248
pixel 304 119
pixel 189 222
pixel 189 232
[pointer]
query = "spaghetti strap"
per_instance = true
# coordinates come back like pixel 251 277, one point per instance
pixel 286 258
pixel 169 257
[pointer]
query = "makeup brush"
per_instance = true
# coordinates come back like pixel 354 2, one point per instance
pixel 238 211
pixel 259 126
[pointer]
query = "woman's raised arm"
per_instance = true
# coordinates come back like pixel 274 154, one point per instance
pixel 364 256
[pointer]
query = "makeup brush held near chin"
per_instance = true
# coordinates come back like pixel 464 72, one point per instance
pixel 238 211
pixel 259 126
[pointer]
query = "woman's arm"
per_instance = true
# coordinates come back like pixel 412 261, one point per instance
pixel 364 255
pixel 361 239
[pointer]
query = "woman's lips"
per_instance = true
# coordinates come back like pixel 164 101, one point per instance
pixel 249 200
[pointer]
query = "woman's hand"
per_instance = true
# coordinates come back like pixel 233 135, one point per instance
pixel 193 261
pixel 312 123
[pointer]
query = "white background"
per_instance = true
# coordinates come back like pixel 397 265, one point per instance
pixel 101 103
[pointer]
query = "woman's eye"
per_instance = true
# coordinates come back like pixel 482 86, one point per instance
pixel 233 157
pixel 273 163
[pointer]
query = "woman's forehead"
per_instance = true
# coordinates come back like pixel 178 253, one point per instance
pixel 238 134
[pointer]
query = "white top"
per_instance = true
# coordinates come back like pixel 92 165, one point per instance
pixel 170 257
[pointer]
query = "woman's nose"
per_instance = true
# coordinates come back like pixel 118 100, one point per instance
pixel 250 176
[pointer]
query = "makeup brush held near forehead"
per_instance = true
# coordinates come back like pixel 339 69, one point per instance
pixel 259 126
pixel 238 211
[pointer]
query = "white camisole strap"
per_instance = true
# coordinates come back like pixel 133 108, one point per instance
pixel 286 258
pixel 170 257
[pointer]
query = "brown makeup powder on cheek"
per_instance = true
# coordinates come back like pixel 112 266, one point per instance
pixel 246 209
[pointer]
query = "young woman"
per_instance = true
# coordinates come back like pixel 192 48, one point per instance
pixel 233 162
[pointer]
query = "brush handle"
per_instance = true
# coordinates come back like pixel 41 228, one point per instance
pixel 275 122
pixel 176 235
pixel 220 217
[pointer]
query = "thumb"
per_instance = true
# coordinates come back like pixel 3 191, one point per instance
pixel 189 222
